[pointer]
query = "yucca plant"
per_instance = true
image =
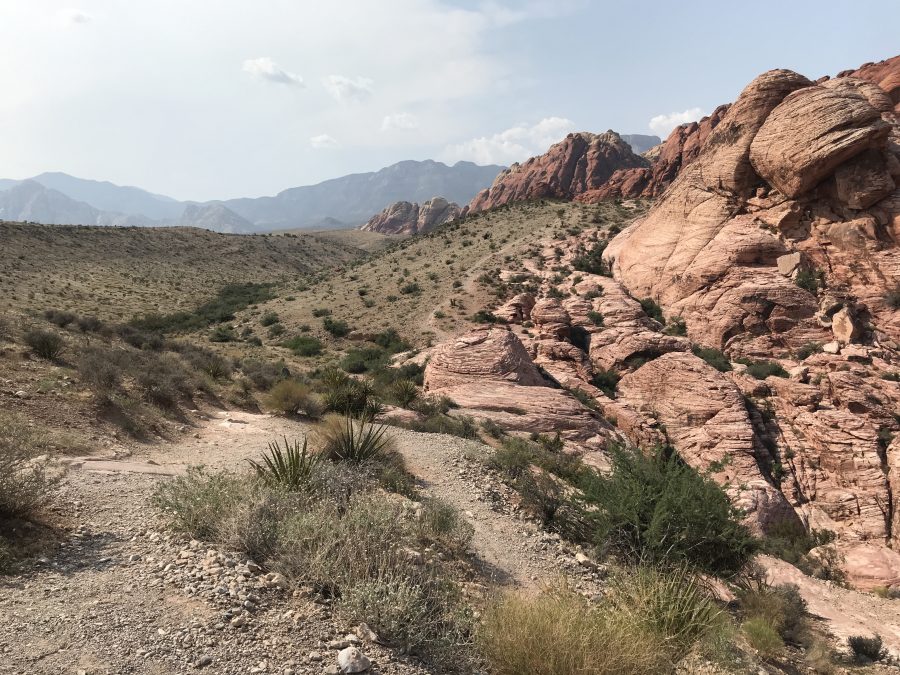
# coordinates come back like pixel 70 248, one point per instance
pixel 405 392
pixel 349 440
pixel 289 467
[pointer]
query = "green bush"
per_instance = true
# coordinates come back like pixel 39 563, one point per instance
pixel 163 380
pixel 652 309
pixel 335 327
pixel 268 319
pixel 100 371
pixel 606 381
pixel 303 345
pixel 363 360
pixel 441 423
pixel 870 648
pixel 59 318
pixel 763 637
pixel 45 344
pixel 591 260
pixel 411 288
pixel 263 374
pixel 26 483
pixel 763 369
pixel 596 318
pixel 222 334
pixel 229 300
pixel 713 357
pixel 655 509
pixel 810 280
pixel 676 326
pixel 484 316
pixel 807 350
pixel 404 393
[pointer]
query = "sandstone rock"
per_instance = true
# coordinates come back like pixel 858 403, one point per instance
pixel 706 421
pixel 868 565
pixel 885 74
pixel 410 218
pixel 864 180
pixel 788 262
pixel 833 347
pixel 581 162
pixel 810 133
pixel 494 354
pixel 517 309
pixel 844 326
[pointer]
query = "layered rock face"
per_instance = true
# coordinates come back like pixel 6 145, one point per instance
pixel 783 232
pixel 581 162
pixel 410 218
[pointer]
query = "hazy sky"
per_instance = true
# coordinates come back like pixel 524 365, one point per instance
pixel 204 99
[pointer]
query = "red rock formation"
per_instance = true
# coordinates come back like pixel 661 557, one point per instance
pixel 409 218
pixel 886 74
pixel 581 162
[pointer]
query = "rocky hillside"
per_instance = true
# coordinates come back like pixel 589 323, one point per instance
pixel 410 218
pixel 582 161
pixel 751 320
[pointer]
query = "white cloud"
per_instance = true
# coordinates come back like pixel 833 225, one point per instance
pixel 662 125
pixel 348 88
pixel 512 145
pixel 323 141
pixel 72 17
pixel 265 68
pixel 400 121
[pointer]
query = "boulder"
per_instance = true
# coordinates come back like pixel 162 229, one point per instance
pixel 352 660
pixel 845 326
pixel 410 218
pixel 864 180
pixel 810 133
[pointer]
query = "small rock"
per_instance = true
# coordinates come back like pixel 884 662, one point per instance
pixel 351 660
pixel 833 347
pixel 203 661
pixel 315 656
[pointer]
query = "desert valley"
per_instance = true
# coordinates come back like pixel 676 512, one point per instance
pixel 631 405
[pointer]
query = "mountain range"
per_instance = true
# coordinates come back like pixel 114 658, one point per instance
pixel 348 201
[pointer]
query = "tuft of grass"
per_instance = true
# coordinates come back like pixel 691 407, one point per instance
pixel 291 396
pixel 762 637
pixel 713 357
pixel 290 467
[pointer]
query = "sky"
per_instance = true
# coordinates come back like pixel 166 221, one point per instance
pixel 214 99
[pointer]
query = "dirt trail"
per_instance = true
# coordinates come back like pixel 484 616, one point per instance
pixel 119 597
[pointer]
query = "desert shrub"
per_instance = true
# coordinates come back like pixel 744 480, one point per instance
pixel 364 360
pixel 807 350
pixel 780 607
pixel 763 369
pixel 870 648
pixel 6 329
pixel 606 381
pixel 163 380
pixel 591 260
pixel 762 637
pixel 291 396
pixel 404 392
pixel 268 319
pixel 411 288
pixel 205 360
pixel 319 312
pixel 810 280
pixel 789 540
pixel 99 370
pixel 26 483
pixel 390 341
pixel 441 423
pixel 290 467
pixel 59 318
pixel 335 327
pixel 222 334
pixel 652 309
pixel 230 299
pixel 90 324
pixel 349 440
pixel 45 344
pixel 653 508
pixel 344 394
pixel 303 345
pixel 596 318
pixel 492 429
pixel 197 502
pixel 892 298
pixel 713 357
pixel 645 624
pixel 676 326
pixel 261 373
pixel 484 316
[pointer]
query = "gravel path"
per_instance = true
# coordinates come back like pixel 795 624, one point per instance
pixel 122 595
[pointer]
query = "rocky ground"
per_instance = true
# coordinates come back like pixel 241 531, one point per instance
pixel 123 595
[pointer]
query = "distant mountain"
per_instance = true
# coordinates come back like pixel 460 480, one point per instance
pixel 107 196
pixel 349 201
pixel 355 198
pixel 641 143
pixel 28 200
pixel 216 216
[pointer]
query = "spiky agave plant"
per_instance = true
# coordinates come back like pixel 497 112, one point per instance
pixel 353 440
pixel 289 467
